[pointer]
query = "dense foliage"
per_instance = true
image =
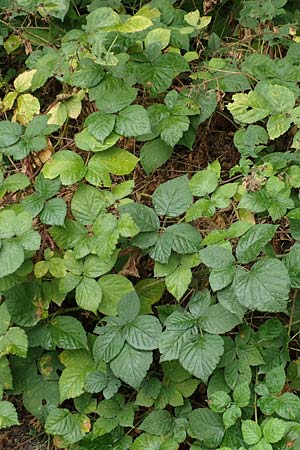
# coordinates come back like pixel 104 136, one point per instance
pixel 132 318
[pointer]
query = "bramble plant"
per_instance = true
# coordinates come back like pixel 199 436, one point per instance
pixel 143 306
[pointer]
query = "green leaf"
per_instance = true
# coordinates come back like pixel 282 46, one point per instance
pixel 87 203
pixel 67 332
pixel 143 333
pixel 88 294
pixel 178 281
pixel 113 287
pixel 157 75
pixel 265 287
pixel 4 318
pixel 115 160
pixel 59 422
pixel 131 365
pixel 112 94
pixel 106 236
pixel 133 121
pixel 126 226
pixel 158 37
pixel 55 8
pixel 186 238
pixel 15 341
pixel 109 344
pixel 218 320
pixel 200 355
pixel 10 133
pixel 128 308
pixel 203 182
pixel 173 129
pixel 144 217
pixel 154 154
pixel 66 164
pixel 86 141
pixel 231 416
pixel 46 188
pixel 104 425
pixel 15 182
pixel 21 303
pixel 94 266
pixel 8 414
pixel 292 263
pixel 100 125
pixel 150 442
pixel 220 278
pixel 72 380
pixel 54 212
pixel 274 430
pixel 241 395
pixel 40 396
pixel 172 198
pixel 11 257
pixel 216 257
pixel 219 401
pixel 149 291
pixel 275 379
pixel 206 426
pixel 158 423
pixel 254 241
pixel 251 432
pixel 229 301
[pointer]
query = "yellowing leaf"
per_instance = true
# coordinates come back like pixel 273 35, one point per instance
pixel 135 24
pixel 28 106
pixel 58 114
pixel 23 81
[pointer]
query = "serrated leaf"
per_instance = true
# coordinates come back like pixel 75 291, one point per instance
pixel 88 294
pixel 144 217
pixel 200 355
pixel 113 287
pixel 149 291
pixel 143 333
pixel 112 94
pixel 27 107
pixel 131 365
pixel 158 423
pixel 109 344
pixel 10 133
pixel 14 341
pixel 8 414
pixel 72 380
pixel 54 212
pixel 173 129
pixel 206 426
pixel 87 203
pixel 67 165
pixel 274 430
pixel 203 182
pixel 172 198
pixel 218 320
pixel 251 432
pixel 216 257
pixel 115 160
pixel 100 125
pixel 254 241
pixel 60 422
pixel 11 257
pixel 178 281
pixel 154 154
pixel 67 332
pixel 265 287
pixel 133 121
